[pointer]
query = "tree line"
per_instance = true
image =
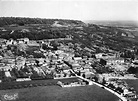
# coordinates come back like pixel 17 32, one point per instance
pixel 22 21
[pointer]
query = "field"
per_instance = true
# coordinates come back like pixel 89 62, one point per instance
pixel 133 83
pixel 56 93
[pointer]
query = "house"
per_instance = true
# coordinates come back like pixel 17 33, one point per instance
pixel 7 74
pixel 75 65
pixel 77 58
pixel 9 42
pixel 23 40
pixel 23 79
pixel 59 75
pixel 114 61
pixel 37 70
pixel 99 55
pixel 33 43
pixel 59 52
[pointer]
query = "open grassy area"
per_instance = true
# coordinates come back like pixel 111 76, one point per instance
pixel 133 83
pixel 56 93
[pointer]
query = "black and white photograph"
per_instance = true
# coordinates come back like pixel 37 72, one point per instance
pixel 68 50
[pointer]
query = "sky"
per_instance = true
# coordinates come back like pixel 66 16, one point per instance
pixel 71 9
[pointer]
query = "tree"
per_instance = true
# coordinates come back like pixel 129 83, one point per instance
pixel 103 62
pixel 44 46
pixel 83 75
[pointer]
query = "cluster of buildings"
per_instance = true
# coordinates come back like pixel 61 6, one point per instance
pixel 78 82
pixel 122 88
pixel 60 62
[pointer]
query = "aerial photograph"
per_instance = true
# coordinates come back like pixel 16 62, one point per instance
pixel 68 50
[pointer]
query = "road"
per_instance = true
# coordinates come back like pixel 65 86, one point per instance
pixel 106 88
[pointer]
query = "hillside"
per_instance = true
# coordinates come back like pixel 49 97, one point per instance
pixel 97 38
pixel 22 21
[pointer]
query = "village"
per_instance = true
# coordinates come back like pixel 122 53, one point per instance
pixel 25 60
